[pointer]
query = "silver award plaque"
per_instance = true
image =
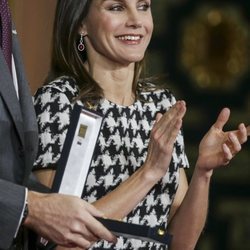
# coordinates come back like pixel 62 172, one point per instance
pixel 77 151
pixel 76 156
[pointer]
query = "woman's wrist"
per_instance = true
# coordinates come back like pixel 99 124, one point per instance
pixel 202 171
pixel 151 175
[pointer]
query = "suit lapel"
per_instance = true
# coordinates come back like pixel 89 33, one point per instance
pixel 26 110
pixel 8 93
pixel 21 110
pixel 25 99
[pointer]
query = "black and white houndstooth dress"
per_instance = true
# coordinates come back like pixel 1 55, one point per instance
pixel 121 149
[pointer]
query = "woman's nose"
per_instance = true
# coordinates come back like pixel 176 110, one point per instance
pixel 134 19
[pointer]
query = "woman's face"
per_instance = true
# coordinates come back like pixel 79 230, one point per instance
pixel 118 30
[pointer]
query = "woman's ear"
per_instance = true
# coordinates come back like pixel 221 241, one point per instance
pixel 83 30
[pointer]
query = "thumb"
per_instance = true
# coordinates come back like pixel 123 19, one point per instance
pixel 222 118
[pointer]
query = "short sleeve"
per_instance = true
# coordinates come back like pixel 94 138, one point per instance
pixel 179 151
pixel 53 108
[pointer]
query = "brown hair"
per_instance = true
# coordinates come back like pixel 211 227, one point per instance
pixel 67 60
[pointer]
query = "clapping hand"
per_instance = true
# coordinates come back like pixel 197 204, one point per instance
pixel 218 147
pixel 163 137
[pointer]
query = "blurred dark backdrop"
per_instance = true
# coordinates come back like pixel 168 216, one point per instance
pixel 201 48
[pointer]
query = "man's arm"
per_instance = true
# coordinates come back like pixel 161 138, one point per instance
pixel 11 204
pixel 65 220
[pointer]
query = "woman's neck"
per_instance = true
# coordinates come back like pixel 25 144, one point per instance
pixel 116 83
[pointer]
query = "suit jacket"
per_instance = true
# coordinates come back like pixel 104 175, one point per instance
pixel 18 135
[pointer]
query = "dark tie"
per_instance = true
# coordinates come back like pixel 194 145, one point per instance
pixel 6 31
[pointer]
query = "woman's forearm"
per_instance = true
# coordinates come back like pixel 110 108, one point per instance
pixel 189 220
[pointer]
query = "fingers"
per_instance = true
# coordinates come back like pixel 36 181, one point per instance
pixel 231 150
pixel 87 229
pixel 100 231
pixel 227 154
pixel 96 227
pixel 69 221
pixel 248 130
pixel 222 118
pixel 85 232
pixel 79 243
pixel 242 133
pixel 158 117
pixel 170 123
pixel 172 129
pixel 235 144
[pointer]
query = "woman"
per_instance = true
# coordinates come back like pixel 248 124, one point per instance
pixel 137 172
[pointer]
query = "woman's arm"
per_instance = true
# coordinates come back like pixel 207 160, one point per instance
pixel 118 203
pixel 45 176
pixel 180 194
pixel 216 150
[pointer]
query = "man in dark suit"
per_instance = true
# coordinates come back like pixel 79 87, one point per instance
pixel 65 220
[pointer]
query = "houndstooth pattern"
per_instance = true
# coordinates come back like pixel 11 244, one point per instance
pixel 120 150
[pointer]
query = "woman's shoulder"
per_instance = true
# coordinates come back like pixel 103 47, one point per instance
pixel 154 91
pixel 63 85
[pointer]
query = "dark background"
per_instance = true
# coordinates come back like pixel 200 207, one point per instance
pixel 201 49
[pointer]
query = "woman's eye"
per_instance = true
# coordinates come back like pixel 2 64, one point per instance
pixel 144 7
pixel 116 8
